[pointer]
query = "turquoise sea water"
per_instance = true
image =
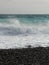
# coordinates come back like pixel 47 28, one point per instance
pixel 19 31
pixel 24 24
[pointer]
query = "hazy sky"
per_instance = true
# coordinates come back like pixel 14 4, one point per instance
pixel 24 6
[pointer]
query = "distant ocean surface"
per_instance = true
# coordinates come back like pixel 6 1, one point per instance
pixel 20 31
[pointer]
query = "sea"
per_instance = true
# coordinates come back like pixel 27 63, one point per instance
pixel 24 30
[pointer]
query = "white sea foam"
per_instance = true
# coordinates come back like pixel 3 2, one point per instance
pixel 7 42
pixel 23 35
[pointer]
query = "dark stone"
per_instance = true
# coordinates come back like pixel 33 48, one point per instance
pixel 29 46
pixel 25 56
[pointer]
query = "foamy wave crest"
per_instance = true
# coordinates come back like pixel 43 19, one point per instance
pixel 15 27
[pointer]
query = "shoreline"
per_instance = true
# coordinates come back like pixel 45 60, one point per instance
pixel 25 56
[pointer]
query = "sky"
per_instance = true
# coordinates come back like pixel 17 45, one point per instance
pixel 24 6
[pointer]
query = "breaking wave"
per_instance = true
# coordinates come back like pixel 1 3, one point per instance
pixel 22 32
pixel 16 27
